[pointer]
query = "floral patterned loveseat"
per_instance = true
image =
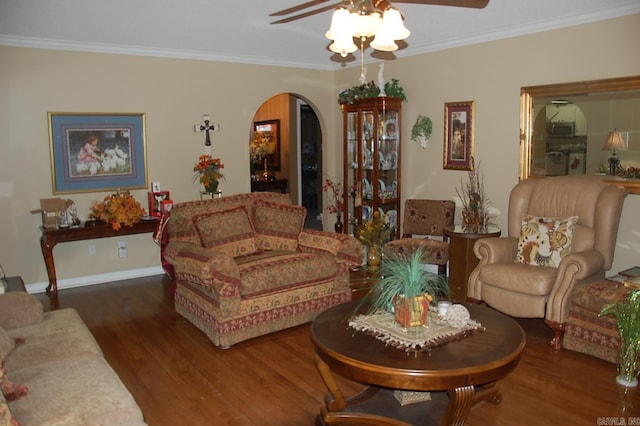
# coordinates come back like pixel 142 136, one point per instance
pixel 244 266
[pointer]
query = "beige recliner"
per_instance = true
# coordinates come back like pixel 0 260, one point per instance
pixel 529 291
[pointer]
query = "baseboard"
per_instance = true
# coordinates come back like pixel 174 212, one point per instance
pixel 97 279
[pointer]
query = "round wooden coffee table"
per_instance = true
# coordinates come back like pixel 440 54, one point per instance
pixel 458 374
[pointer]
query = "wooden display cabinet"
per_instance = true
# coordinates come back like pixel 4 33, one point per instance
pixel 371 131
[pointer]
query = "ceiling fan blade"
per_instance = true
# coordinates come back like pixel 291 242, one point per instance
pixel 474 4
pixel 304 15
pixel 297 8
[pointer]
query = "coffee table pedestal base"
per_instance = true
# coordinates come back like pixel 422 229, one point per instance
pixel 377 406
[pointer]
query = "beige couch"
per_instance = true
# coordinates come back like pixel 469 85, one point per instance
pixel 55 356
pixel 245 267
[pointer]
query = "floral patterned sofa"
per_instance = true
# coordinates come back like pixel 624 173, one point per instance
pixel 244 266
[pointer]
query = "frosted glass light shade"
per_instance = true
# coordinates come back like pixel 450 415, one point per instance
pixel 365 25
pixel 392 23
pixel 343 45
pixel 384 42
pixel 340 25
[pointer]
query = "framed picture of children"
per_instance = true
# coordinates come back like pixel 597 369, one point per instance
pixel 97 152
pixel 458 135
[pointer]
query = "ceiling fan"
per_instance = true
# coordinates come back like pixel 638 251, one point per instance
pixel 380 5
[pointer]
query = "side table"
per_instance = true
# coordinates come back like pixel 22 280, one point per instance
pixel 462 260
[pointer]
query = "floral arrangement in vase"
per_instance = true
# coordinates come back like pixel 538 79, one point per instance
pixel 208 170
pixel 475 204
pixel 117 209
pixel 375 232
pixel 335 200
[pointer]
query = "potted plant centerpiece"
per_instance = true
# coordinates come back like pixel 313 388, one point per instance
pixel 421 130
pixel 407 288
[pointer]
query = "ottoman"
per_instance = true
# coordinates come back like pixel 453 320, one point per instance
pixel 587 333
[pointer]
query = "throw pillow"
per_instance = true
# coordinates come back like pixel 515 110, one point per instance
pixel 545 241
pixel 6 344
pixel 278 225
pixel 229 231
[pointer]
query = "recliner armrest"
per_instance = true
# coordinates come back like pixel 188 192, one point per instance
pixel 495 249
pixel 574 268
pixel 346 248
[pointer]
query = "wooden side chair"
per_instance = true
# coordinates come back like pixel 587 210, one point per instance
pixel 422 227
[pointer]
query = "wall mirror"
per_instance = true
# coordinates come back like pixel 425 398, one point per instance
pixel 576 128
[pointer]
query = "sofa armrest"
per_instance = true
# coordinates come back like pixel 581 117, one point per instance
pixel 18 309
pixel 206 267
pixel 346 248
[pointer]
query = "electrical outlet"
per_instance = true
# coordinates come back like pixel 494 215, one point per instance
pixel 122 244
pixel 92 249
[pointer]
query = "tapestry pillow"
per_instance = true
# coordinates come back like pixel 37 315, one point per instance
pixel 229 231
pixel 278 225
pixel 545 241
pixel 6 344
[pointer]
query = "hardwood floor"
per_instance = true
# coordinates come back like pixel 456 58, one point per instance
pixel 178 377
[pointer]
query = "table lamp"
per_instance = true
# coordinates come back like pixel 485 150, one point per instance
pixel 614 143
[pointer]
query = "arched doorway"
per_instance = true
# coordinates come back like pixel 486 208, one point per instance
pixel 298 150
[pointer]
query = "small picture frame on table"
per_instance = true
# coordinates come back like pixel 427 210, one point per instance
pixel 165 207
pixel 155 202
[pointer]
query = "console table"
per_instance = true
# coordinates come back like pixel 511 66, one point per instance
pixel 51 237
pixel 269 185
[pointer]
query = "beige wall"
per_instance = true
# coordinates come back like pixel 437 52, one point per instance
pixel 175 93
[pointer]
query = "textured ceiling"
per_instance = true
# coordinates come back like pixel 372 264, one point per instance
pixel 240 31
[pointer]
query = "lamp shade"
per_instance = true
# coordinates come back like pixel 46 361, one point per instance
pixel 614 142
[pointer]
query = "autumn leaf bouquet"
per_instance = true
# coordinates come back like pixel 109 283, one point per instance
pixel 117 209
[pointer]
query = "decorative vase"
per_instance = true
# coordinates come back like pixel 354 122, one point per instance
pixel 338 226
pixel 212 187
pixel 374 257
pixel 411 311
pixel 628 365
